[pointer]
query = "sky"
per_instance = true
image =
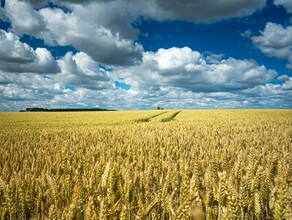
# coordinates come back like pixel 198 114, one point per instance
pixel 137 54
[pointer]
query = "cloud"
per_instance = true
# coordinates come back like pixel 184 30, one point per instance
pixel 81 71
pixel 92 36
pixel 30 81
pixel 17 11
pixel 288 84
pixel 15 97
pixel 172 78
pixel 104 30
pixel 285 3
pixel 203 10
pixel 188 10
pixel 3 16
pixel 16 56
pixel 28 90
pixel 40 3
pixel 19 91
pixel 276 41
pixel 191 71
pixel 116 16
pixel 80 83
pixel 97 41
pixel 283 78
pixel 103 33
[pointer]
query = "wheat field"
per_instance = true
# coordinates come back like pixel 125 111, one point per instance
pixel 167 164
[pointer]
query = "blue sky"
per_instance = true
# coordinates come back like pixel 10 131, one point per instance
pixel 223 37
pixel 122 54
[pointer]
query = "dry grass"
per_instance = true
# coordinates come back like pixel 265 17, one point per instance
pixel 104 165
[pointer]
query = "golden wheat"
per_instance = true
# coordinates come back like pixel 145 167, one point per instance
pixel 212 164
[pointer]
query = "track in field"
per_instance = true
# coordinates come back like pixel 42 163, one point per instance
pixel 171 117
pixel 166 116
pixel 147 119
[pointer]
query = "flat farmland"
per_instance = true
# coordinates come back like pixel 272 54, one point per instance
pixel 166 164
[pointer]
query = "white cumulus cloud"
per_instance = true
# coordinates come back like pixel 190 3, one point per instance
pixel 81 71
pixel 104 30
pixel 16 56
pixel 24 18
pixel 276 41
pixel 88 35
pixel 191 71
pixel 187 10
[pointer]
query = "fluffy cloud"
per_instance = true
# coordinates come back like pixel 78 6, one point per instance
pixel 75 75
pixel 288 84
pixel 39 3
pixel 191 71
pixel 276 41
pixel 189 10
pixel 81 71
pixel 31 82
pixel 175 77
pixel 15 97
pixel 283 78
pixel 103 29
pixel 103 33
pixel 285 3
pixel 17 11
pixel 16 56
pixel 97 41
pixel 203 10
pixel 19 91
pixel 59 28
pixel 116 16
pixel 80 83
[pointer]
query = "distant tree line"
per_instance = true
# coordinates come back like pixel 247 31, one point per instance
pixel 65 110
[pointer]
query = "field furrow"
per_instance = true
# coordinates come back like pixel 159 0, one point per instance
pixel 171 117
pixel 151 117
pixel 162 116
